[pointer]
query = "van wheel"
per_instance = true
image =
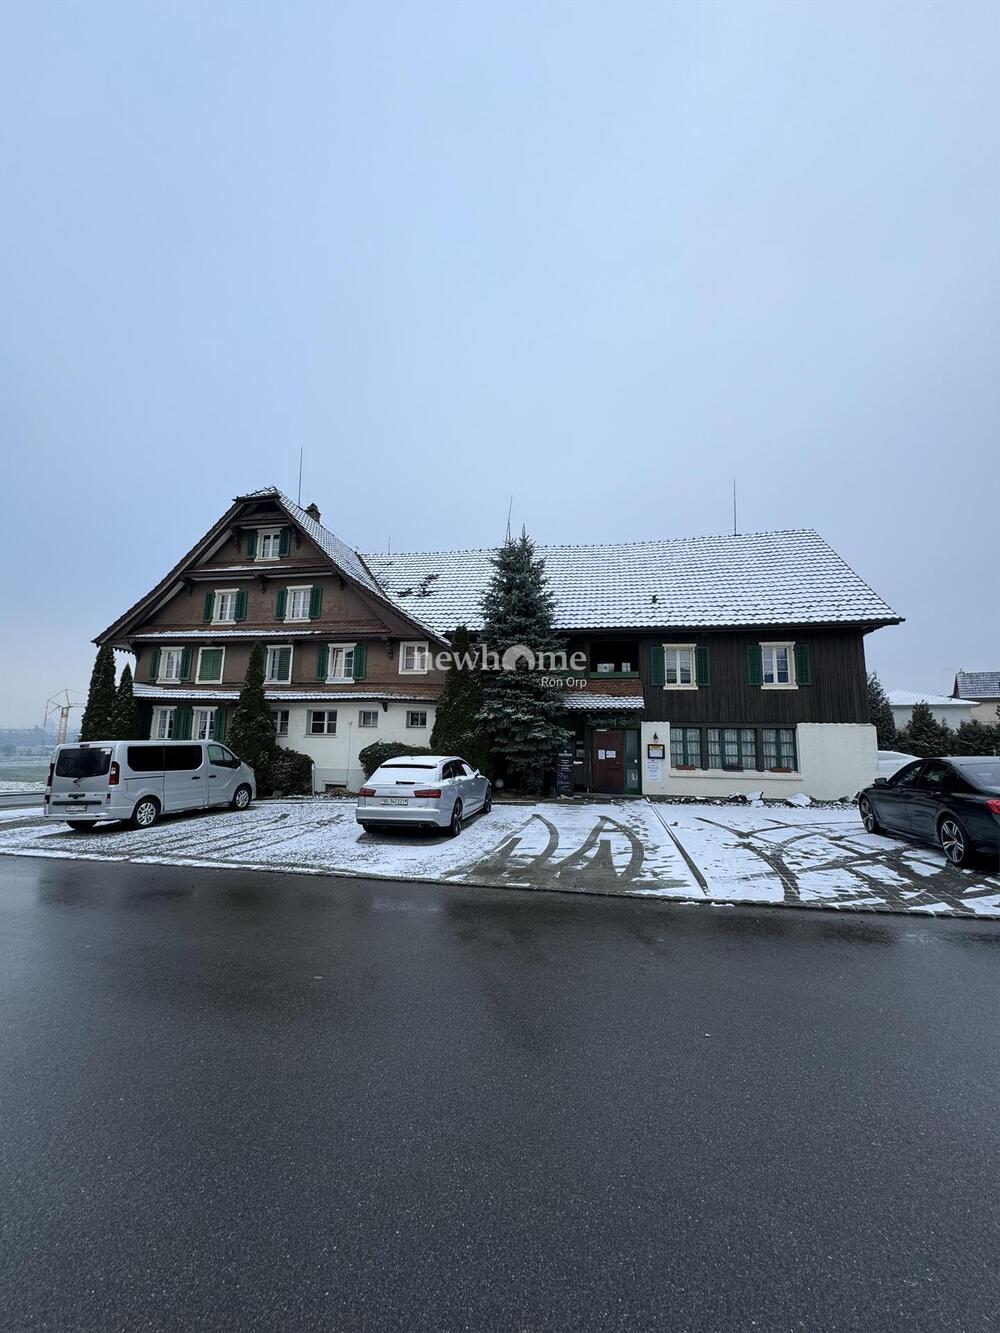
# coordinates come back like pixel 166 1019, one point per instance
pixel 81 825
pixel 455 825
pixel 241 798
pixel 145 813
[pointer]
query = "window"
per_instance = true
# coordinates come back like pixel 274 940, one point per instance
pixel 269 544
pixel 225 606
pixel 171 664
pixel 181 758
pixel 203 725
pixel 279 664
pixel 779 748
pixel 210 664
pixel 907 777
pixel 368 717
pixel 685 747
pixel 732 747
pixel 298 603
pixel 414 659
pixel 937 776
pixel 416 718
pixel 322 722
pixel 83 762
pixel 145 758
pixel 679 666
pixel 777 665
pixel 341 663
pixel 220 757
pixel 163 723
pixel 281 721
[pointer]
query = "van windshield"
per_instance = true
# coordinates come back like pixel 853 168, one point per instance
pixel 84 763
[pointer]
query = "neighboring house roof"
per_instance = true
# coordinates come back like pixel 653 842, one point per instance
pixel 907 699
pixel 767 578
pixel 585 701
pixel 977 685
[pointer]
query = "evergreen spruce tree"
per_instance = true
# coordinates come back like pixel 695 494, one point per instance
pixel 251 733
pixel 880 714
pixel 125 724
pixel 519 712
pixel 976 738
pixel 457 729
pixel 99 714
pixel 924 737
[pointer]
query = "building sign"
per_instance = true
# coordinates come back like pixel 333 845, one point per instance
pixel 564 773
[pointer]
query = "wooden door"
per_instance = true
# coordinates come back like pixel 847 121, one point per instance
pixel 608 760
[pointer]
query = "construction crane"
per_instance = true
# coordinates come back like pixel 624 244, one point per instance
pixel 60 703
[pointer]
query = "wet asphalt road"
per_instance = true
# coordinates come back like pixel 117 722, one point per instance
pixel 251 1101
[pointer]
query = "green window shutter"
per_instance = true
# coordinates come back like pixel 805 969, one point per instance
pixel 154 664
pixel 284 663
pixel 183 718
pixel 280 604
pixel 252 545
pixel 656 664
pixel 315 602
pixel 803 665
pixel 360 660
pixel 220 724
pixel 210 665
pixel 285 542
pixel 703 673
pixel 209 610
pixel 185 664
pixel 241 604
pixel 755 667
pixel 323 662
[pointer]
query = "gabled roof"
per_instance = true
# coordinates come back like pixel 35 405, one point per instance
pixel 766 578
pixel 346 561
pixel 977 685
pixel 907 699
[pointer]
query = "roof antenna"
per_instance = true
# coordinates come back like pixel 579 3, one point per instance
pixel 509 508
pixel 734 507
pixel 299 500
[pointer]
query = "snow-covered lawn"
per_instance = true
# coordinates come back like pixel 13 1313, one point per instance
pixel 776 854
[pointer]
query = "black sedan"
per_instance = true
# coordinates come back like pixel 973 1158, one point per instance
pixel 954 802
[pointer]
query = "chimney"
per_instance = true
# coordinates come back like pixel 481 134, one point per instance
pixel 313 511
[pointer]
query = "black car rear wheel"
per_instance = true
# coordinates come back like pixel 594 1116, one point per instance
pixel 868 816
pixel 954 841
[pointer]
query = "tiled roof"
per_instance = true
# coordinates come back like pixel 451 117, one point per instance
pixel 907 698
pixel 768 578
pixel 978 684
pixel 585 701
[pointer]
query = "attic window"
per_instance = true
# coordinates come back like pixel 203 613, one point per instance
pixel 270 543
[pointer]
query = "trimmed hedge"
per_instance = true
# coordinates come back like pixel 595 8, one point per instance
pixel 373 756
pixel 290 774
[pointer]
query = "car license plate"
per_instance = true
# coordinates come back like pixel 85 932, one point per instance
pixel 395 800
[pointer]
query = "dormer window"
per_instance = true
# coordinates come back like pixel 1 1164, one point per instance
pixel 269 545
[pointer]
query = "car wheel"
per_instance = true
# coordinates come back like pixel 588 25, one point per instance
pixel 954 841
pixel 241 798
pixel 81 825
pixel 488 801
pixel 367 828
pixel 145 813
pixel 455 826
pixel 868 816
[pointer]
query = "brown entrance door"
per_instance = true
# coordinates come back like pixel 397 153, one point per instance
pixel 608 760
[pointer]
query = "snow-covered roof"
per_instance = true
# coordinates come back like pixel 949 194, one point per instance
pixel 768 578
pixel 217 694
pixel 907 698
pixel 978 685
pixel 585 701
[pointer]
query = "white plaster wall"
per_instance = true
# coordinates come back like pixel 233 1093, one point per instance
pixel 835 759
pixel 985 712
pixel 952 715
pixel 336 757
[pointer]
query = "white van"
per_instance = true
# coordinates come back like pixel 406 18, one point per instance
pixel 94 781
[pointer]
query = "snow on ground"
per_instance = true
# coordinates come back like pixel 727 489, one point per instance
pixel 806 856
pixel 7 787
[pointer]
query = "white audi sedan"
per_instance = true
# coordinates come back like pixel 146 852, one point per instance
pixel 423 791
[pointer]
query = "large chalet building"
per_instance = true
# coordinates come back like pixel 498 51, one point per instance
pixel 713 664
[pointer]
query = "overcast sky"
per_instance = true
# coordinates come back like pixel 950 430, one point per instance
pixel 601 257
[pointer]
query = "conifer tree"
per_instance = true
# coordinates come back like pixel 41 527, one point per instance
pixel 99 714
pixel 976 738
pixel 457 729
pixel 924 737
pixel 519 711
pixel 252 733
pixel 125 724
pixel 880 714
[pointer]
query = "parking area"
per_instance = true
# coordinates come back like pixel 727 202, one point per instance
pixel 819 856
